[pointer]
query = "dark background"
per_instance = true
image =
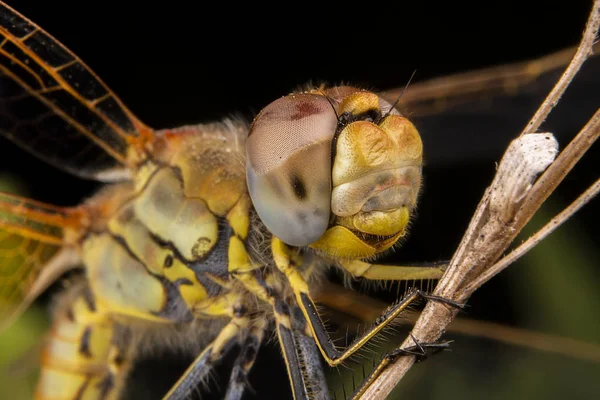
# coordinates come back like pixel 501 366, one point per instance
pixel 176 63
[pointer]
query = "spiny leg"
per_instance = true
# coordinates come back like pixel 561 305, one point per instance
pixel 204 363
pixel 249 350
pixel 301 355
pixel 306 375
pixel 83 358
pixel 419 350
pixel 287 261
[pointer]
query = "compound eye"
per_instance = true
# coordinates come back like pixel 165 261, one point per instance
pixel 288 166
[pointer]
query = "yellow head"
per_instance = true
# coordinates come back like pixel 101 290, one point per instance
pixel 337 170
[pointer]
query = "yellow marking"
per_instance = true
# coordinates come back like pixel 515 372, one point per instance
pixel 191 294
pixel 238 217
pixel 406 137
pixel 225 283
pixel 390 272
pixel 283 255
pixel 359 102
pixel 283 320
pixel 239 261
pixel 55 384
pixel 126 226
pixel 79 355
pixel 228 333
pixel 339 241
pixel 220 189
pixel 211 174
pixel 217 306
pixel 187 223
pixel 143 175
pixel 381 223
pixel 362 147
pixel 64 354
pixel 241 267
pixel 119 282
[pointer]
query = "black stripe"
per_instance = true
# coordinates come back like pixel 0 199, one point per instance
pixel 175 308
pixel 302 356
pixel 288 345
pixel 84 345
pixel 238 382
pixel 310 358
pixel 319 328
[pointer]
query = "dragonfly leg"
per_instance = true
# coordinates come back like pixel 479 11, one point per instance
pixel 204 363
pixel 419 350
pixel 83 357
pixel 393 272
pixel 301 355
pixel 238 383
pixel 287 262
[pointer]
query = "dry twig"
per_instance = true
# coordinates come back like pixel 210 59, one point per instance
pixel 503 211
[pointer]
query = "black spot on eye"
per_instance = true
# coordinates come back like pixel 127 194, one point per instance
pixel 168 261
pixel 299 188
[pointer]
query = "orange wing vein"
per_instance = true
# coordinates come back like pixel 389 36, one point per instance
pixel 54 106
pixel 32 252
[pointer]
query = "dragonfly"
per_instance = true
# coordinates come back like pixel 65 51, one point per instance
pixel 74 217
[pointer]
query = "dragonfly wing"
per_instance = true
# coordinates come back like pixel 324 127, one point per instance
pixel 472 116
pixel 32 250
pixel 55 107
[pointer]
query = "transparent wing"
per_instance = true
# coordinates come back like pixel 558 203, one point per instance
pixel 54 106
pixel 32 256
pixel 473 116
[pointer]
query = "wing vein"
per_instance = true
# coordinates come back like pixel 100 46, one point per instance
pixel 106 147
pixel 53 72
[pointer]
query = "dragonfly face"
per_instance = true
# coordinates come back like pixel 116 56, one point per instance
pixel 434 153
pixel 340 155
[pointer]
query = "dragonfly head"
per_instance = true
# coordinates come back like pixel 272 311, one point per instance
pixel 338 170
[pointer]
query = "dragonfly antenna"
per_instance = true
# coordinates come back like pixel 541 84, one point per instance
pixel 400 95
pixel 331 104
